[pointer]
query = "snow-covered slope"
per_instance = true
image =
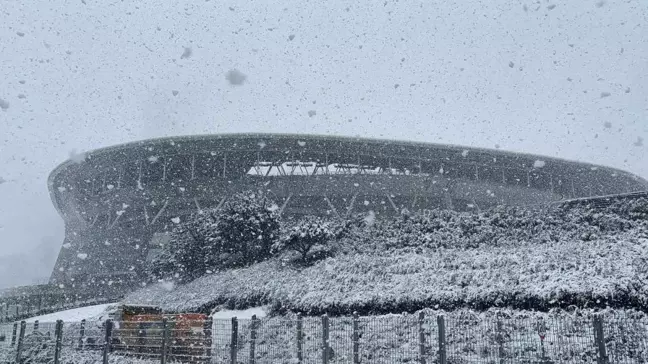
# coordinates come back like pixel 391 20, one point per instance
pixel 96 312
pixel 503 258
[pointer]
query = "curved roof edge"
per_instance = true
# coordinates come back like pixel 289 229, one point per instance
pixel 180 138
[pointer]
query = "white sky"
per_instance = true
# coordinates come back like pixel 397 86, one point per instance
pixel 469 72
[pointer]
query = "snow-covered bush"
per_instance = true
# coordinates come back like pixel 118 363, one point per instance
pixel 241 233
pixel 309 237
pixel 505 257
pixel 189 254
pixel 246 227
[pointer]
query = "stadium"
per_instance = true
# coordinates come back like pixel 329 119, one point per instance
pixel 119 202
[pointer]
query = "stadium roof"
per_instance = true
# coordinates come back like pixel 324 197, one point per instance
pixel 371 149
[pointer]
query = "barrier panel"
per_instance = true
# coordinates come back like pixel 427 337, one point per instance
pixel 419 338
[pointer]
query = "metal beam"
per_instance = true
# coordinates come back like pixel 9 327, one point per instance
pixel 159 212
pixel 283 206
pixel 351 205
pixel 392 203
pixel 116 219
pixel 109 220
pixel 220 204
pixel 120 175
pixel 331 206
pixel 193 166
pixel 551 182
pixel 146 216
pixel 224 165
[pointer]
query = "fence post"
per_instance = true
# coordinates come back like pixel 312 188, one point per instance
pixel 107 338
pixel 21 336
pixel 356 340
pixel 14 333
pixel 599 339
pixel 234 341
pixel 163 345
pixel 58 332
pixel 207 332
pixel 325 339
pixel 82 333
pixel 300 338
pixel 141 337
pixel 253 335
pixel 500 341
pixel 442 340
pixel 421 330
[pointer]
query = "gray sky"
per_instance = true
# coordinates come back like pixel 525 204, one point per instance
pixel 559 78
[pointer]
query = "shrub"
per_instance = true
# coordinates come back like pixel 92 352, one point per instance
pixel 189 254
pixel 239 234
pixel 305 236
pixel 247 227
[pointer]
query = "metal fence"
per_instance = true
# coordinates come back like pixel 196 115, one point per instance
pixel 10 311
pixel 404 338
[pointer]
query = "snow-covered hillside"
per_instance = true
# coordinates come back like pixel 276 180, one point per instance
pixel 502 258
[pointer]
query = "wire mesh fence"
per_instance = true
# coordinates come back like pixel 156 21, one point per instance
pixel 460 338
pixel 18 308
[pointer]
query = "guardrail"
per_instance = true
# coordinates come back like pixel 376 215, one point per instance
pixel 418 338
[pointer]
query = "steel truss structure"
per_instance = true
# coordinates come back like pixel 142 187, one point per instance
pixel 118 200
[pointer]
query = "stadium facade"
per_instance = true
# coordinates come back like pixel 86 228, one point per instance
pixel 118 203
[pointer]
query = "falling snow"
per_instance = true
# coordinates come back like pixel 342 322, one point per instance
pixel 235 77
pixel 77 157
pixel 186 53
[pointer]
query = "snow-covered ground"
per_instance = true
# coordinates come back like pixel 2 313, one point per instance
pixel 240 314
pixel 74 315
pixel 99 313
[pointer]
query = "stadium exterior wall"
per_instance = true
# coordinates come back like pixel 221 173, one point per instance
pixel 118 202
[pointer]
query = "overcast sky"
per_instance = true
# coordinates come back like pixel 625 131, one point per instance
pixel 560 78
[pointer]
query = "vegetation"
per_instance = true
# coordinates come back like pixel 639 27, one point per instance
pixel 241 233
pixel 308 237
pixel 506 257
